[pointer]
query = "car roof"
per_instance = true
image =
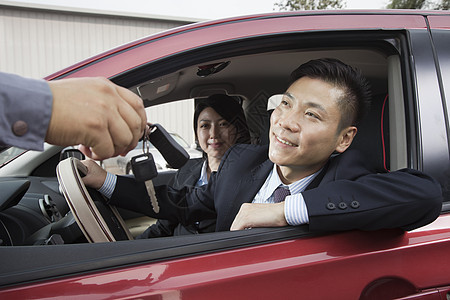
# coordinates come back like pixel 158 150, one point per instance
pixel 343 22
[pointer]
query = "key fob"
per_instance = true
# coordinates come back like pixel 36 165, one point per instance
pixel 173 153
pixel 144 167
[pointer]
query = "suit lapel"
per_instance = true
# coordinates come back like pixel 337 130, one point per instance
pixel 250 184
pixel 327 174
pixel 195 171
pixel 316 181
pixel 253 183
pixel 191 175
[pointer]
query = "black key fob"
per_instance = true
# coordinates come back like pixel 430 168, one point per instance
pixel 144 167
pixel 173 153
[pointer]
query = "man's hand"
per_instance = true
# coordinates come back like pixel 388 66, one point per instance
pixel 96 175
pixel 259 215
pixel 106 119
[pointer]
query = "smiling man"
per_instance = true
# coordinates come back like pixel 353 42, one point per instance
pixel 306 176
pixel 306 128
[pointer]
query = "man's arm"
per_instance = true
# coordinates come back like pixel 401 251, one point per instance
pixel 25 111
pixel 132 195
pixel 106 119
pixel 292 211
pixel 405 199
pixel 354 198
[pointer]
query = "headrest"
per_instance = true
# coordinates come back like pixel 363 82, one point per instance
pixel 274 101
pixel 372 138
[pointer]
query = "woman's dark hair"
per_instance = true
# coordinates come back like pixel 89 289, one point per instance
pixel 229 109
pixel 354 101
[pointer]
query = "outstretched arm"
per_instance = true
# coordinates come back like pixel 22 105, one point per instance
pixel 106 119
pixel 405 199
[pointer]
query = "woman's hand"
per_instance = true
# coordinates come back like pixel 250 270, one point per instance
pixel 95 176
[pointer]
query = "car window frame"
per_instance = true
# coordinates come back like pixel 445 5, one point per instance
pixel 9 158
pixel 441 42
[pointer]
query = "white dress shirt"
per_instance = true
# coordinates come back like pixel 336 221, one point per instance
pixel 203 175
pixel 295 209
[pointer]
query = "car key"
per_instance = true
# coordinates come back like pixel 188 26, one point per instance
pixel 144 169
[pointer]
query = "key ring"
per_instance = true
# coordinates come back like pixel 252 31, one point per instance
pixel 146 142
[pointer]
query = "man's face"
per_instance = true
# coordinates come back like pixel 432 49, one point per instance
pixel 304 128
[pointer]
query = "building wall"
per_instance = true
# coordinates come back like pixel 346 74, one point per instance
pixel 37 40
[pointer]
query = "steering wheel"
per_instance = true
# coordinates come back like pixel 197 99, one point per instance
pixel 98 221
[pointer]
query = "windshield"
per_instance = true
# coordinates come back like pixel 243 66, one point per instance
pixel 9 154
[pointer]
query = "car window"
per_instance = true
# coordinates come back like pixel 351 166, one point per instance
pixel 179 140
pixel 9 154
pixel 175 136
pixel 140 145
pixel 175 115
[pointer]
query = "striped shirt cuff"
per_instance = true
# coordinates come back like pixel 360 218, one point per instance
pixel 295 210
pixel 109 185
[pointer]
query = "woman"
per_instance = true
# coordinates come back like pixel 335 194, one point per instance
pixel 219 123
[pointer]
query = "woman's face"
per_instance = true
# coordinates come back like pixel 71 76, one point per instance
pixel 215 134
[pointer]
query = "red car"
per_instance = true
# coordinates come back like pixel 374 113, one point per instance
pixel 406 57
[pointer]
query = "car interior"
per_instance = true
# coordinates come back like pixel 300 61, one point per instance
pixel 252 70
pixel 34 211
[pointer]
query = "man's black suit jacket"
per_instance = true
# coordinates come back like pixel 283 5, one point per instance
pixel 345 195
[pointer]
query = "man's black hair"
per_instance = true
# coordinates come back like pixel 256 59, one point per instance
pixel 356 89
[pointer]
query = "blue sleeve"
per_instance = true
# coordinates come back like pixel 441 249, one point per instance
pixel 295 210
pixel 25 111
pixel 109 185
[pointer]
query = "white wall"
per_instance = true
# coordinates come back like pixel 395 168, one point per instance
pixel 175 117
pixel 38 40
